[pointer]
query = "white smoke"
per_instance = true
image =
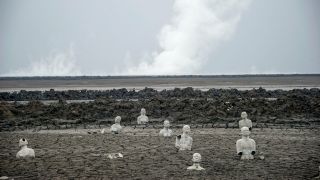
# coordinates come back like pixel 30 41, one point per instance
pixel 56 64
pixel 197 27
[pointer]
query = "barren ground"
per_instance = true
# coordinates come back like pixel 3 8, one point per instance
pixel 63 154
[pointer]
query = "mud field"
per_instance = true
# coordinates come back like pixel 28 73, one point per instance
pixel 271 82
pixel 61 124
pixel 215 107
pixel 289 154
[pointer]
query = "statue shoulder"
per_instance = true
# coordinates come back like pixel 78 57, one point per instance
pixel 239 141
pixel 252 141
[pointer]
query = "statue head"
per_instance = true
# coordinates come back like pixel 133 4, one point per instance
pixel 186 129
pixel 196 158
pixel 244 115
pixel 143 111
pixel 23 142
pixel 166 124
pixel 245 131
pixel 117 119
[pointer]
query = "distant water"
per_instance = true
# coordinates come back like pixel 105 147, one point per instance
pixel 241 82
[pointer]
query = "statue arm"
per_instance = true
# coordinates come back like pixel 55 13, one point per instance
pixel 138 120
pixel 161 132
pixel 32 153
pixel 190 144
pixel 178 141
pixel 239 148
pixel 253 145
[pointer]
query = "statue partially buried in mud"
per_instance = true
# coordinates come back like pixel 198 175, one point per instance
pixel 143 119
pixel 246 147
pixel 196 159
pixel 245 122
pixel 116 127
pixel 184 141
pixel 166 132
pixel 25 152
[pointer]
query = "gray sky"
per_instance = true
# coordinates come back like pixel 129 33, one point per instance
pixel 112 37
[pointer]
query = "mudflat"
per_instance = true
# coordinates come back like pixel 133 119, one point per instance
pixel 289 154
pixel 161 82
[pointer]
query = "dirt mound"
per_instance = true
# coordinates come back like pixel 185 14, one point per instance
pixel 180 105
pixel 151 93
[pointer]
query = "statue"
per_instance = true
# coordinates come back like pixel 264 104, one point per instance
pixel 143 119
pixel 184 141
pixel 196 159
pixel 246 147
pixel 166 132
pixel 116 127
pixel 318 177
pixel 245 122
pixel 25 152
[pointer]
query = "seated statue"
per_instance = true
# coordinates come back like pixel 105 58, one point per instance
pixel 166 132
pixel 116 127
pixel 245 122
pixel 143 119
pixel 184 141
pixel 25 152
pixel 196 159
pixel 246 147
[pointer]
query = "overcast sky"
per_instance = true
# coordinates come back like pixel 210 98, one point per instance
pixel 158 37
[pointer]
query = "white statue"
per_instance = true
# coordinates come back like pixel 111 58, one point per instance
pixel 318 177
pixel 166 132
pixel 143 119
pixel 184 141
pixel 25 152
pixel 196 159
pixel 116 127
pixel 245 122
pixel 246 147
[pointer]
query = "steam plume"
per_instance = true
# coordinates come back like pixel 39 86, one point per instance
pixel 197 27
pixel 56 64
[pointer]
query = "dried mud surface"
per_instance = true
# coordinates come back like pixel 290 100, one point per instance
pixel 289 154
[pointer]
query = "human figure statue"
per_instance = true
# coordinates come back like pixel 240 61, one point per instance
pixel 25 152
pixel 246 147
pixel 318 177
pixel 184 141
pixel 166 132
pixel 196 159
pixel 245 122
pixel 142 119
pixel 116 127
